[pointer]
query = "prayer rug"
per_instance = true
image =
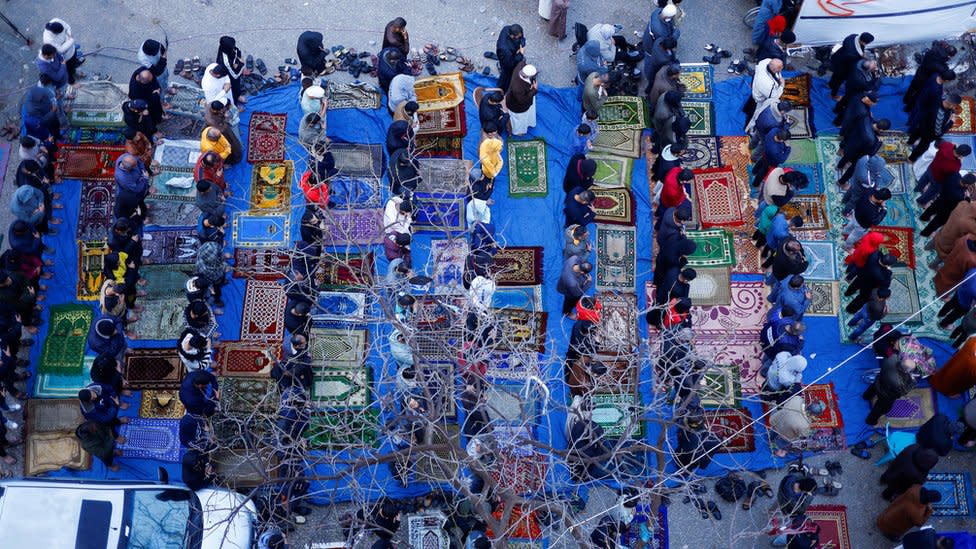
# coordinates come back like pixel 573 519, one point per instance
pixel 804 151
pixel 734 429
pixel 747 311
pixel 613 205
pixel 830 418
pixel 801 123
pixel 812 208
pixel 899 214
pixel 62 385
pixel 355 192
pixel 188 100
pixel 344 95
pixel 89 136
pixel 822 440
pixel 343 429
pixel 520 474
pixel 441 91
pixel 439 212
pixel 440 465
pixel 357 159
pixel 957 494
pixel 178 155
pixel 814 177
pixel 624 112
pixel 336 348
pixel 153 368
pixel 617 329
pixel 247 429
pixel 442 344
pixel 346 270
pixel 832 520
pixel 518 297
pixel 161 319
pixel 611 171
pixel 151 438
pixel 720 387
pixel 428 146
pixel 701 116
pixel 341 388
pixel 264 311
pixel 443 175
pixel 171 213
pixel 165 281
pixel 894 146
pixel 427 530
pixel 449 121
pixel 91 256
pixel 448 257
pixel 966 112
pixel 266 137
pixel 697 79
pixel 64 346
pixel 911 410
pixel 701 153
pixel 518 329
pixel 261 231
pixel 822 260
pixel 969 162
pixel 618 142
pixel 527 168
pixel 902 178
pixel 618 414
pixel 95 210
pixel 903 305
pixel 244 358
pixel 97 104
pixel 49 414
pixel 245 469
pixel 518 266
pixel 512 365
pixel 162 404
pixel 44 452
pixel 507 404
pixel 718 198
pixel 740 349
pixel 616 258
pixel 711 287
pixel 261 263
pixel 747 258
pixel 182 127
pixel 715 248
pixel 797 90
pixel 247 395
pixel 900 242
pixel 349 306
pixel 733 150
pixel 87 162
pixel 353 227
pixel 164 245
pixel 622 375
pixel 825 300
pixel 271 186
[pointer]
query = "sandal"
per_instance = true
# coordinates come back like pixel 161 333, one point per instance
pixel 858 450
pixel 262 68
pixel 291 61
pixel 195 63
pixel 430 68
pixel 249 62
pixel 178 68
pixel 714 510
pixel 835 468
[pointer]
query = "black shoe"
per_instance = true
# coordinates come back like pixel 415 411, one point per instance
pixel 713 59
pixel 491 55
pixel 249 62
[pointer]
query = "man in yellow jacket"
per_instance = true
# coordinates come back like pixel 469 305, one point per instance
pixel 212 140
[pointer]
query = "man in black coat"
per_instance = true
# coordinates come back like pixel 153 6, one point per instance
pixel 135 114
pixel 952 192
pixel 857 110
pixel 863 79
pixel 893 382
pixel 843 61
pixel 672 253
pixel 932 117
pixel 578 207
pixel 911 466
pixel 510 50
pixel 862 140
pixel 938 434
pixel 789 259
pixel 490 111
pixel 934 60
pixel 143 85
pixel 876 273
pixel 311 53
pixel 675 283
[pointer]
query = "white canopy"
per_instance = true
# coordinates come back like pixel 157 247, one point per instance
pixel 824 22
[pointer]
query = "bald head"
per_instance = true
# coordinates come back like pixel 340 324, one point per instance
pixel 776 66
pixel 144 76
pixel 213 134
pixel 128 162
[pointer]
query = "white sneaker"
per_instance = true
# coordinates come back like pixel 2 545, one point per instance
pixel 15 407
pixel 12 425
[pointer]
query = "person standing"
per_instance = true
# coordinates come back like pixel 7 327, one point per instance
pixel 152 56
pixel 396 36
pixel 100 404
pixel 767 88
pixel 594 91
pixel 557 18
pixel 229 56
pixel 573 283
pixel 910 467
pixel 520 98
pixel 97 439
pixel 311 53
pixel 50 63
pixel 143 85
pixel 510 51
pixel 913 508
pixel 893 382
pixel 934 61
pixel 930 120
pixel 57 33
pixel 844 60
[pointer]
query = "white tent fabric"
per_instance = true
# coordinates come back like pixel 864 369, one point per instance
pixel 890 21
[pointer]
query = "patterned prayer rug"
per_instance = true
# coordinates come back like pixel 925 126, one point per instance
pixel 830 418
pixel 153 368
pixel 618 414
pixel 91 257
pixel 45 452
pixel 718 198
pixel 62 385
pixel 618 142
pixel 264 311
pixel 91 136
pixel 622 112
pixel 341 388
pixel 720 387
pixel 346 270
pixel 715 248
pixel 440 465
pixel 899 213
pixel 165 281
pixel 825 300
pixel 178 155
pixel 355 192
pixel 171 213
pixel 344 95
pixel 957 494
pixel 261 231
pixel 271 186
pixel 95 210
pixel 894 146
pixel 616 258
pixel 617 330
pixel 353 227
pixel 902 178
pixel 801 123
pixel 160 403
pixel 64 346
pixel 337 348
pixel 747 311
pixel 442 91
pixel 620 377
pixel 266 137
pixel 443 175
pixel 701 116
pixel 343 429
pixel 797 90
pixel 518 266
pixel 246 358
pixel 822 440
pixel 911 410
pixel 261 263
pixel 900 242
pixel 246 395
pixel 711 287
pixel 700 153
pixel 740 349
pixel 966 112
pixel 812 208
pixel 518 297
pixel 520 474
pixel 188 100
pixel 247 429
pixel 747 258
pixel 97 104
pixel 440 344
pixel 527 168
pixel 358 160
pixel 733 427
pixel 733 150
pixel 518 330
pixel 441 146
pixel 50 415
pixel 244 469
pixel 87 162
pixel 815 184
pixel 448 257
pixel 613 205
pixel 904 301
pixel 439 212
pixel 161 319
pixel 347 306
pixel 611 171
pixel 697 79
pixel 151 438
pixel 449 121
pixel 182 127
pixel 804 151
pixel 512 365
pixel 832 520
pixel 427 529
pixel 822 260
pixel 164 245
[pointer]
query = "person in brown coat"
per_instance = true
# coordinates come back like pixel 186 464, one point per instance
pixel 911 466
pixel 962 222
pixel 960 259
pixel 557 18
pixel 913 508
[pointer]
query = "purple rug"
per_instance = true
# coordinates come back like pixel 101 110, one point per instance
pixel 345 227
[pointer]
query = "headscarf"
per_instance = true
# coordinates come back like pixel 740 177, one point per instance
pixel 867 246
pixel 37 101
pixel 490 154
pixel 590 315
pixel 588 58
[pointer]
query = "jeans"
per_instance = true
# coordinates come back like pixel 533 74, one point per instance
pixel 853 194
pixel 855 232
pixel 861 323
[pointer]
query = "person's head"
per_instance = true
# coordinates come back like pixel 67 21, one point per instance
pixel 490 128
pixel 585 267
pixel 105 327
pixel 968 180
pixel 870 65
pixel 302 308
pixel 816 407
pixel 865 38
pixel 579 232
pixel 583 130
pixel 210 158
pixel 678 147
pixel 528 72
pixel 668 12
pixel 515 32
pixel 682 306
pixel 398 24
pixel 669 43
pixel 796 281
pixel 586 197
pixel 925 458
pixel 402 239
pixel 213 134
pixel 128 162
pixel 795 179
pixel 884 293
pixel 410 107
pixel 807 484
pixel 20 227
pixel 880 195
pixel 405 206
pixel 674 71
pixel 796 222
pixel 947 75
pixel 782 135
pixel 787 311
pixel 962 151
pixel 787 37
pixel 145 77
pixel 887 260
pixel 315 92
pixel 54 27
pixel 687 275
pixel 591 114
pixel 197 308
pixel 48 51
pixel 683 213
pixel 406 301
pixel 482 543
pixel 215 220
pixel 929 496
pixel 122 226
pixel 907 365
pixel 298 341
pixel 796 328
pixel 203 186
pixel 495 97
pixel 776 66
pixel 197 341
pixel 784 106
pixel 85 395
pixel 882 125
pixel 219 71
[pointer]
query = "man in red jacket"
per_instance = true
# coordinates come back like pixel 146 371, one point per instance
pixel 948 160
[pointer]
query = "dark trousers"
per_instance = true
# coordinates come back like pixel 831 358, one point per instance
pixel 836 79
pixel 967 436
pixel 951 312
pixel 939 218
pixel 924 138
pixel 849 172
pixel 72 66
pixel 569 304
pixel 880 407
pixel 759 171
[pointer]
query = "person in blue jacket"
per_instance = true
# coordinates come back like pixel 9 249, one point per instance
pixel 193 393
pixel 107 337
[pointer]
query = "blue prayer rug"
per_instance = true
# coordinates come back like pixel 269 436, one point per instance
pixel 957 494
pixel 440 213
pixel 355 192
pixel 822 259
pixel 261 231
pixel 151 438
pixel 814 177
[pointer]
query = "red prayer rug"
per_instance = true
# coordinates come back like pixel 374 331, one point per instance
pixel 266 137
pixel 613 205
pixel 733 427
pixel 518 266
pixel 248 359
pixel 718 197
pixel 900 242
pixel 832 520
pixel 260 263
pixel 965 116
pixel 438 146
pixel 264 312
pixel 346 270
pixel 520 474
pixel 87 162
pixel 824 392
pixel 443 122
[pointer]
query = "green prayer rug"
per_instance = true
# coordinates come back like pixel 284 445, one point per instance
pixel 64 346
pixel 341 387
pixel 619 142
pixel 160 319
pixel 803 151
pixel 165 281
pixel 527 168
pixel 343 429
pixel 701 116
pixel 618 414
pixel 720 387
pixel 612 171
pixel 624 112
pixel 715 248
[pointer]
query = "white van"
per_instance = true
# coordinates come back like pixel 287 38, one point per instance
pixel 69 514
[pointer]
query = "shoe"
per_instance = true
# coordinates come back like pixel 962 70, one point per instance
pixel 725 54
pixel 249 62
pixel 714 510
pixel 710 47
pixel 260 66
pixel 12 425
pixel 15 407
pixel 713 60
pixel 491 55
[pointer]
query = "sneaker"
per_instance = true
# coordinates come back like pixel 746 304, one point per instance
pixel 11 425
pixel 15 407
